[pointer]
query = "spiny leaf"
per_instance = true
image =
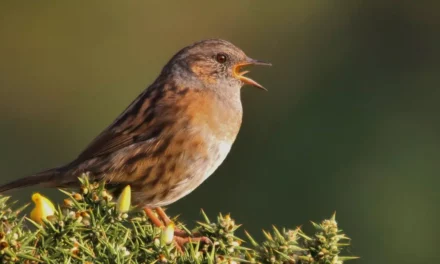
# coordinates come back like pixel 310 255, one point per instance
pixel 345 258
pixel 251 239
pixel 205 217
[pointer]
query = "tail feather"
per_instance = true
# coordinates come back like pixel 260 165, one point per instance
pixel 45 178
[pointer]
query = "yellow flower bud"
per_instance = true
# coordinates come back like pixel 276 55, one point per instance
pixel 167 235
pixel 43 208
pixel 124 200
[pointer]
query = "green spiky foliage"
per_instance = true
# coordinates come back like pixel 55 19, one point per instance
pixel 87 228
pixel 294 246
pixel 16 242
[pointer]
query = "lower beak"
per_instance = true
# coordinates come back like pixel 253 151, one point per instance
pixel 247 80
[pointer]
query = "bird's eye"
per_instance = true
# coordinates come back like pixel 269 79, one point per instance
pixel 221 58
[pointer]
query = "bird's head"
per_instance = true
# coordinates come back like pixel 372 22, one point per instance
pixel 215 63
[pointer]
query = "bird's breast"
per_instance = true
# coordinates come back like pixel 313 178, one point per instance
pixel 197 144
pixel 221 116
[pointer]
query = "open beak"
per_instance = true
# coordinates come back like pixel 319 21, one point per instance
pixel 247 80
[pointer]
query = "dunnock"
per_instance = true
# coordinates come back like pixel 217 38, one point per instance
pixel 173 136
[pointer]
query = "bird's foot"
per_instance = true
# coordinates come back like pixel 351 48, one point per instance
pixel 181 237
pixel 181 241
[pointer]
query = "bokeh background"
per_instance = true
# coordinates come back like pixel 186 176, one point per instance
pixel 350 123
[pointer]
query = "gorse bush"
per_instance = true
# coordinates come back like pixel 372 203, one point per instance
pixel 91 227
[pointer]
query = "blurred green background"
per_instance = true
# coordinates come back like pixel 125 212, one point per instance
pixel 350 122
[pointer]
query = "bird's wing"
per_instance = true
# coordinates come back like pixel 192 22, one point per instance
pixel 135 124
pixel 108 141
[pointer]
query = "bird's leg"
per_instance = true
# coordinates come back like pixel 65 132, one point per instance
pixel 153 218
pixel 166 221
pixel 163 221
pixel 181 237
pixel 163 216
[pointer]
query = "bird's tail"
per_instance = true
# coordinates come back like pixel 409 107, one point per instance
pixel 45 178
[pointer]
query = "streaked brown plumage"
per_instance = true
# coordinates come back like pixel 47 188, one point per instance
pixel 173 136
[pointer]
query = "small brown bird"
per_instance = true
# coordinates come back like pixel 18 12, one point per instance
pixel 173 136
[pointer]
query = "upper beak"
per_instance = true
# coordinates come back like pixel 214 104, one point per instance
pixel 244 79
